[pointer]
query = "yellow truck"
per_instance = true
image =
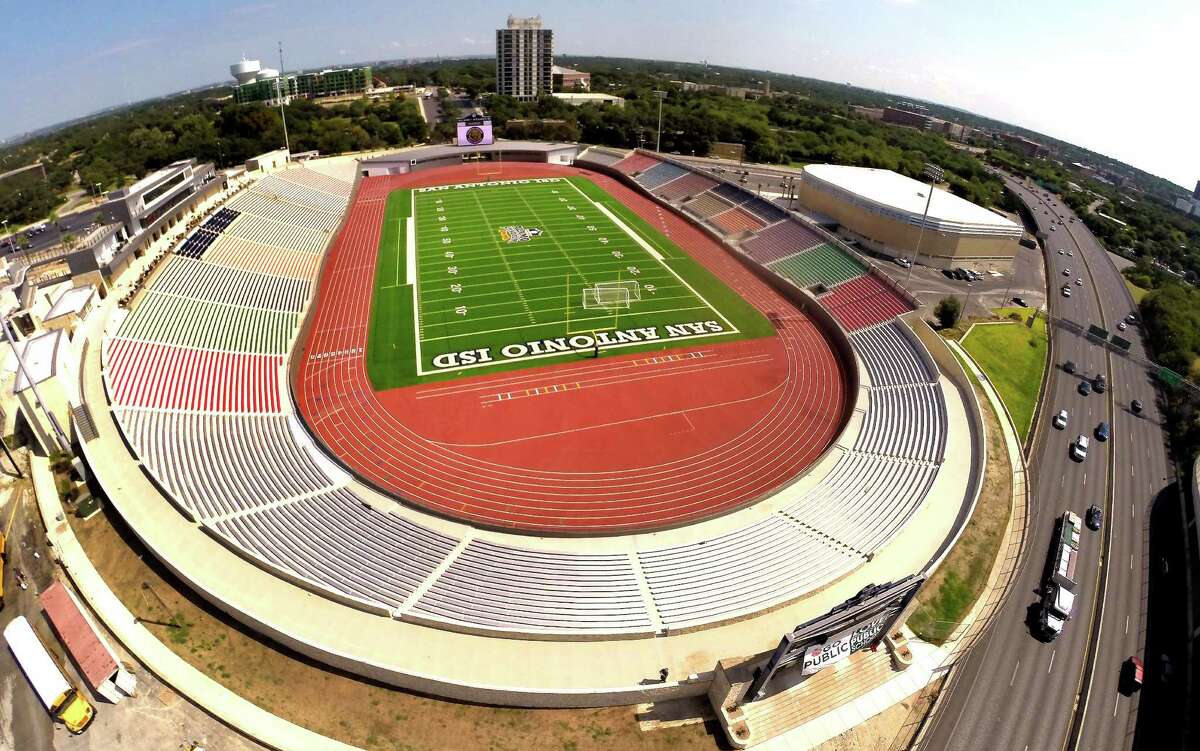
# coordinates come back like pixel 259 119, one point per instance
pixel 64 702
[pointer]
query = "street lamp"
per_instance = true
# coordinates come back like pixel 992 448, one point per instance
pixel 935 175
pixel 12 248
pixel 658 141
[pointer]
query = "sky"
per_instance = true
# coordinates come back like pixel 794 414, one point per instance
pixel 1121 78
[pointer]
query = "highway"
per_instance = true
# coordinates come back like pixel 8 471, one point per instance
pixel 1014 691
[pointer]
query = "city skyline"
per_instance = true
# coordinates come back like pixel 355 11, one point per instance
pixel 1100 80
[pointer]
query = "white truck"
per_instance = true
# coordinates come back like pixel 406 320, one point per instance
pixel 1058 591
pixel 63 701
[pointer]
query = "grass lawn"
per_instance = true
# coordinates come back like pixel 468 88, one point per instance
pixel 955 586
pixel 1137 292
pixel 1014 358
pixel 510 274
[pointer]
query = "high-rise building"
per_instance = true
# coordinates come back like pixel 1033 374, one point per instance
pixel 524 58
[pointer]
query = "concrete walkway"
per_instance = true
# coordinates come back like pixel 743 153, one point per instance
pixel 211 696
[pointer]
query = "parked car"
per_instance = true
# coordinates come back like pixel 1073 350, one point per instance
pixel 1070 254
pixel 1060 420
pixel 1131 318
pixel 1021 302
pixel 1079 282
pixel 1136 407
pixel 1093 518
pixel 1069 367
pixel 1061 252
pixel 1102 432
pixel 1067 271
pixel 1066 290
pixel 1079 448
pixel 1085 388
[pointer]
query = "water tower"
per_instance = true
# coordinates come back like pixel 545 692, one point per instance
pixel 245 71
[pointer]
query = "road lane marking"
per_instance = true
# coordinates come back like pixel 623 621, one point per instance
pixel 1051 661
pixel 1116 702
pixel 1132 510
pixel 1131 561
pixel 1014 675
pixel 1126 624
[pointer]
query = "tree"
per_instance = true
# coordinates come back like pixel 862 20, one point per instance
pixel 947 311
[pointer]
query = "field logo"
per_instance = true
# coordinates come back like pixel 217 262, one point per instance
pixel 515 233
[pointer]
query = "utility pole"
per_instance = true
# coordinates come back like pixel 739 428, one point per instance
pixel 658 141
pixel 935 174
pixel 279 83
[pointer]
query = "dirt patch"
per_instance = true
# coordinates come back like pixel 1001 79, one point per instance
pixel 335 704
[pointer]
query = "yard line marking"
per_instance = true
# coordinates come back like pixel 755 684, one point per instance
pixel 504 259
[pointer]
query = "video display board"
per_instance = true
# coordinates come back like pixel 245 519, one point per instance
pixel 474 130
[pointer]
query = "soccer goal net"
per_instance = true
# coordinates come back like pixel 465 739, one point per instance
pixel 611 295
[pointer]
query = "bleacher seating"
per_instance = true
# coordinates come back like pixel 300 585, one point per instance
pixel 220 464
pixel 264 259
pixel 765 210
pixel 691 184
pixel 340 543
pixel 825 264
pixel 598 155
pixel 905 421
pixel 780 240
pixel 865 500
pixel 280 234
pixel 276 187
pixel 218 222
pixel 185 322
pixel 503 587
pixel 636 162
pixel 736 220
pixel 741 571
pixel 229 286
pixel 890 357
pixel 312 178
pixel 658 174
pixel 863 302
pixel 732 193
pixel 196 244
pixel 707 205
pixel 283 210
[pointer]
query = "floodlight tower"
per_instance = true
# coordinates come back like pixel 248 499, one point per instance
pixel 935 174
pixel 658 139
pixel 278 84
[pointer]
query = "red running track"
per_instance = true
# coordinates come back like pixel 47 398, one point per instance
pixel 620 444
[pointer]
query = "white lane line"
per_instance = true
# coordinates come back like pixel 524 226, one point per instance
pixel 1132 511
pixel 1131 561
pixel 1014 675
pixel 1126 624
pixel 1116 703
pixel 1085 478
pixel 1051 661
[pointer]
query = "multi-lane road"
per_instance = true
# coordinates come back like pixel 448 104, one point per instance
pixel 1014 691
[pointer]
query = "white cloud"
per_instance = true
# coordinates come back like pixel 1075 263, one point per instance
pixel 469 40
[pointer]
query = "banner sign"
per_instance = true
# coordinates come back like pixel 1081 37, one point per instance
pixel 475 130
pixel 858 623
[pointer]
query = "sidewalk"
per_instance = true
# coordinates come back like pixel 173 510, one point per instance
pixel 203 691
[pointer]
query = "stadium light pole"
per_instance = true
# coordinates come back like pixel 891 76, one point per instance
pixel 658 138
pixel 287 144
pixel 935 175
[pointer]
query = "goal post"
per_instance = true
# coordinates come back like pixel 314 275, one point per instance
pixel 618 295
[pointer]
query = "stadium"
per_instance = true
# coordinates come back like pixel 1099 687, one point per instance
pixel 892 214
pixel 610 419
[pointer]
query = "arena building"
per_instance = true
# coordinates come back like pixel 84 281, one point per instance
pixel 884 210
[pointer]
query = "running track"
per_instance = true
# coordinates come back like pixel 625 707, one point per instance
pixel 623 444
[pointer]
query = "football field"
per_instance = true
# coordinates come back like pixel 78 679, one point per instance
pixel 498 275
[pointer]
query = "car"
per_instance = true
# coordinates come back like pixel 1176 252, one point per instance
pixel 1079 448
pixel 1099 383
pixel 1102 432
pixel 1131 318
pixel 1066 290
pixel 1132 674
pixel 1060 420
pixel 1136 407
pixel 1093 518
pixel 1085 388
pixel 1020 301
pixel 1121 326
pixel 1069 367
pixel 1079 282
pixel 1067 271
pixel 903 263
pixel 1070 254
pixel 1053 227
pixel 1061 251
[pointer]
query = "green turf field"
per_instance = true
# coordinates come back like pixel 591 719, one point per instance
pixel 480 278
